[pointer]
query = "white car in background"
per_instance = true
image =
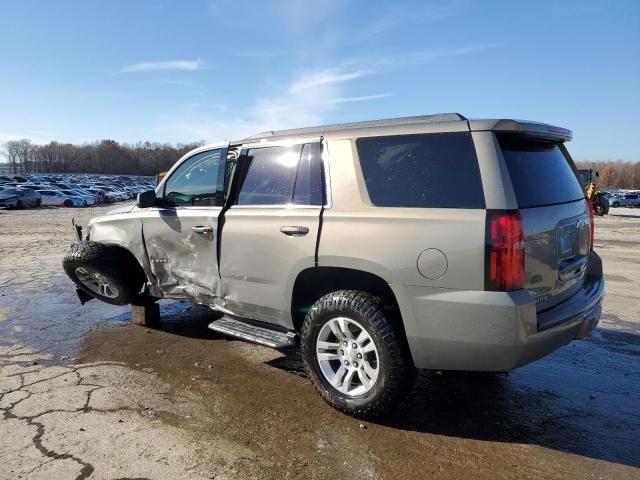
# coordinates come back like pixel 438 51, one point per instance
pixel 89 199
pixel 59 199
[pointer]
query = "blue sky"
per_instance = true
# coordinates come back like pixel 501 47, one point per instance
pixel 173 71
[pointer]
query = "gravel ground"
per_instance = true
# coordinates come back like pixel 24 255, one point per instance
pixel 86 394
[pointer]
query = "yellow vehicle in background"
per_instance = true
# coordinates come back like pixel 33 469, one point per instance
pixel 600 202
pixel 159 177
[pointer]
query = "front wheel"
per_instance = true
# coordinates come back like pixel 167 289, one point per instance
pixel 355 353
pixel 615 204
pixel 105 272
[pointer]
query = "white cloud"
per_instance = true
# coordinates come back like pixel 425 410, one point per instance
pixel 306 101
pixel 315 79
pixel 179 65
pixel 364 98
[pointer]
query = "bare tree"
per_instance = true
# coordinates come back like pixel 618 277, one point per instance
pixel 24 147
pixel 11 149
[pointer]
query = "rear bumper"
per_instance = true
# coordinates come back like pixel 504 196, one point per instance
pixel 494 331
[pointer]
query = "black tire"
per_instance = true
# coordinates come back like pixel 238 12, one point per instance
pixel 109 261
pixel 38 202
pixel 598 209
pixel 396 372
pixel 68 203
pixel 19 204
pixel 615 205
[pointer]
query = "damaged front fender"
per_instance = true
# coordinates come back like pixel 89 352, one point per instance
pixel 124 229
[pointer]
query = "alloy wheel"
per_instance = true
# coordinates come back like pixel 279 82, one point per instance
pixel 347 356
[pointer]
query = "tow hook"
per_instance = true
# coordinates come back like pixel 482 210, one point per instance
pixel 77 229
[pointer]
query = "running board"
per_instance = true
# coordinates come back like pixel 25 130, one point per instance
pixel 253 333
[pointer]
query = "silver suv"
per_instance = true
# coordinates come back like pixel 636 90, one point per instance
pixel 380 247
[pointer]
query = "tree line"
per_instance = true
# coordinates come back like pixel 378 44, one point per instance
pixel 104 156
pixel 624 175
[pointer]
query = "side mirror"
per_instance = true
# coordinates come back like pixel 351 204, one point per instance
pixel 146 199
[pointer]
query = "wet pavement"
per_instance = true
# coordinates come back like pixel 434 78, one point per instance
pixel 86 394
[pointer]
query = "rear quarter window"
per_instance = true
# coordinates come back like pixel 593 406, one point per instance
pixel 540 172
pixel 438 170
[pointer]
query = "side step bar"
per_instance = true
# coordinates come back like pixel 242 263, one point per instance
pixel 248 331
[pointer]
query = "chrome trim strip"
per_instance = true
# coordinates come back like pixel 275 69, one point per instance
pixel 286 142
pixel 288 206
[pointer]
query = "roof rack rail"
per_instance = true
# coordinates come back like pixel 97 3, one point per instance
pixel 438 117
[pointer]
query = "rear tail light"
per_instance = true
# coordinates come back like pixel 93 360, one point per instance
pixel 592 222
pixel 504 261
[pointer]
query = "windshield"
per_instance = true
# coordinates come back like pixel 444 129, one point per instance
pixel 540 172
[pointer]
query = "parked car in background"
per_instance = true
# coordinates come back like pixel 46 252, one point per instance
pixel 626 200
pixel 58 199
pixel 18 198
pixel 31 186
pixel 106 197
pixel 88 198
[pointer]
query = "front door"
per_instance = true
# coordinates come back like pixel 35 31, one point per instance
pixel 180 234
pixel 270 230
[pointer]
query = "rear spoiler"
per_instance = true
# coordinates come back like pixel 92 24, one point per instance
pixel 532 129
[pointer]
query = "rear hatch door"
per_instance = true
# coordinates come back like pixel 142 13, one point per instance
pixel 555 217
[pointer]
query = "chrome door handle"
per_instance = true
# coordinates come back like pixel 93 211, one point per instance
pixel 202 229
pixel 294 230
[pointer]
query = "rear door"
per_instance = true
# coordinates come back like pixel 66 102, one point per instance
pixel 555 217
pixel 270 231
pixel 180 233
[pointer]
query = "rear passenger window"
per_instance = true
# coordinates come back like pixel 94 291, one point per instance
pixel 283 176
pixel 271 176
pixel 438 170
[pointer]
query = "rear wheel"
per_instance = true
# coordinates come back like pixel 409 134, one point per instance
pixel 68 203
pixel 19 204
pixel 105 272
pixel 38 202
pixel 355 353
pixel 615 204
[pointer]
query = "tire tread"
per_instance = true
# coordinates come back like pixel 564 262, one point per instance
pixel 384 318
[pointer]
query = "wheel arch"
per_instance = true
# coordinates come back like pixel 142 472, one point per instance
pixel 313 283
pixel 125 231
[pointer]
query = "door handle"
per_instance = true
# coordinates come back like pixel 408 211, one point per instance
pixel 294 230
pixel 202 229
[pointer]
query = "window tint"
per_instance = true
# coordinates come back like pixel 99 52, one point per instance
pixel 427 171
pixel 540 173
pixel 308 188
pixel 197 181
pixel 271 176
